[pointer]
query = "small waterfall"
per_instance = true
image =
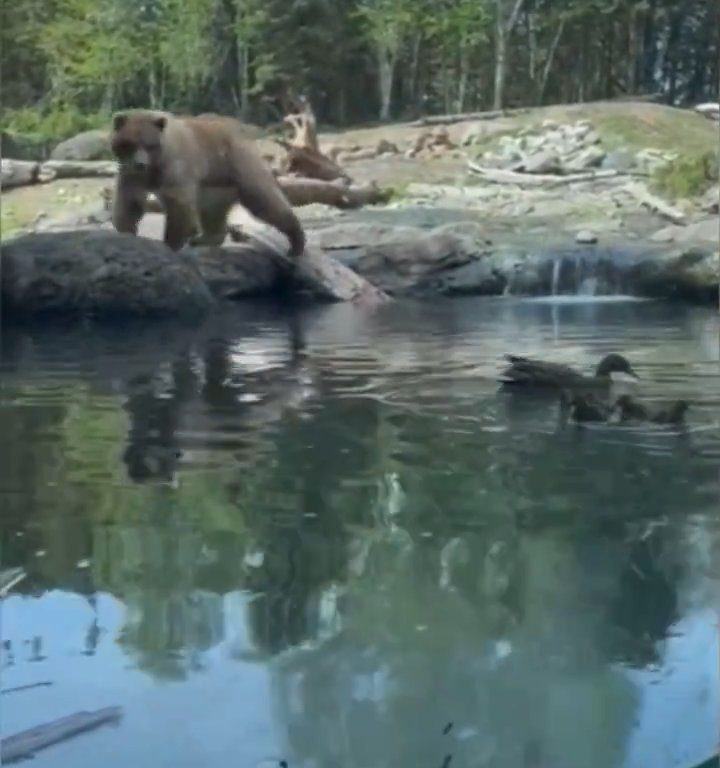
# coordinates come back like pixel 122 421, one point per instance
pixel 557 265
pixel 588 287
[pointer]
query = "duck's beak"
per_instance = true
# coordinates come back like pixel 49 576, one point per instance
pixel 629 375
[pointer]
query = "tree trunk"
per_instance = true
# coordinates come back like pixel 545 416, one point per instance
pixel 500 55
pixel 414 66
pixel 463 79
pixel 386 66
pixel 549 60
pixel 152 87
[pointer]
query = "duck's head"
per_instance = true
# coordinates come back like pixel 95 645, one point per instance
pixel 614 363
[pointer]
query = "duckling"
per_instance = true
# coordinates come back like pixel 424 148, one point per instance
pixel 630 409
pixel 536 373
pixel 584 407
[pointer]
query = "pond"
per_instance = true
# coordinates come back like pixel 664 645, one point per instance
pixel 324 537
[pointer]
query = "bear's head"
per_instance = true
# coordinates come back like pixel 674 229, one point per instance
pixel 136 140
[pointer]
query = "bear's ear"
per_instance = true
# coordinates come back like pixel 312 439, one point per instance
pixel 160 123
pixel 119 120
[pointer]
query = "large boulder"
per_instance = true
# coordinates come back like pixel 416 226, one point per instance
pixel 98 274
pixel 89 145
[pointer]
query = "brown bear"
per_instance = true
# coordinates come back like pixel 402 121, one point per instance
pixel 198 167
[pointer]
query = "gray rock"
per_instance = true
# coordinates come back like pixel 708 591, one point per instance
pixel 89 145
pixel 592 157
pixel 710 202
pixel 620 160
pixel 546 161
pixel 98 274
pixel 698 232
pixel 585 236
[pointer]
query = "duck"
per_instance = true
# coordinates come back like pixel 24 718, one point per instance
pixel 628 408
pixel 525 372
pixel 584 407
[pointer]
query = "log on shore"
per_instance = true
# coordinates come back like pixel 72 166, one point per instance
pixel 22 173
pixel 310 163
pixel 641 193
pixel 25 744
pixel 466 117
pixel 255 268
pixel 301 191
pixel 501 176
pixel 81 169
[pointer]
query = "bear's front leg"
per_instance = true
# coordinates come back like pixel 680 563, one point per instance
pixel 182 222
pixel 128 206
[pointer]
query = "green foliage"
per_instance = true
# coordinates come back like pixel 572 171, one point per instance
pixel 687 176
pixel 54 124
pixel 413 56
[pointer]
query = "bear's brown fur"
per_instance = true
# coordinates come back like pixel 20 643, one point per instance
pixel 198 167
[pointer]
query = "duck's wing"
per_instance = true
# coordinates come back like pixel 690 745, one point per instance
pixel 523 370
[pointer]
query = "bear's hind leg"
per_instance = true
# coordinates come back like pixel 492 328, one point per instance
pixel 213 220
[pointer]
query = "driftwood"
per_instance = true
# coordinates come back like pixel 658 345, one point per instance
pixel 641 193
pixel 303 122
pixel 465 116
pixel 79 169
pixel 500 176
pixel 255 268
pixel 304 157
pixel 25 744
pixel 300 192
pixel 309 162
pixel 21 173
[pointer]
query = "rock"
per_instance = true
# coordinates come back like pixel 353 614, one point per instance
pixel 621 160
pixel 710 202
pixel 545 161
pixel 549 124
pixel 592 157
pixel 698 232
pixel 650 160
pixel 593 137
pixel 98 274
pixel 89 145
pixel 585 236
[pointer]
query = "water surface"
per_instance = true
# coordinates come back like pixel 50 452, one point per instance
pixel 326 538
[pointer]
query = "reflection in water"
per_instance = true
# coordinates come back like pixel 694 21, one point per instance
pixel 325 537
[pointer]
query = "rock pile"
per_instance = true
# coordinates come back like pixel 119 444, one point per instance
pixel 553 148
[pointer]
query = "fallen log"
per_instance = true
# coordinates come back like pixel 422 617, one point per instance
pixel 22 173
pixel 80 169
pixel 256 267
pixel 25 744
pixel 500 176
pixel 641 193
pixel 310 163
pixel 466 116
pixel 300 191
